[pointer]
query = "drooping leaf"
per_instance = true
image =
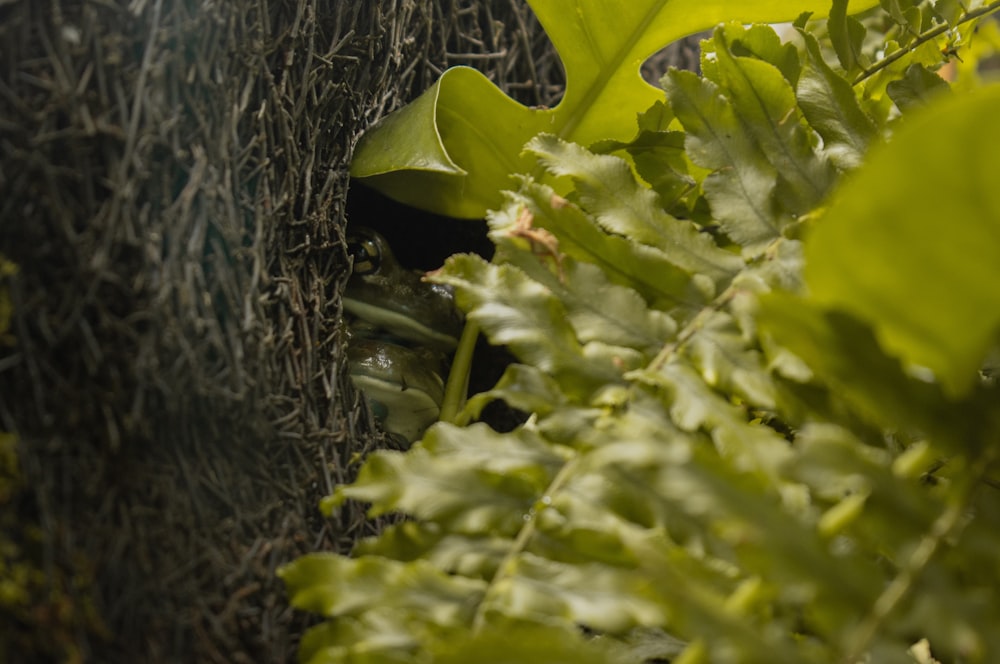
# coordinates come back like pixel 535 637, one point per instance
pixel 333 586
pixel 880 251
pixel 916 88
pixel 523 387
pixel 829 103
pixel 451 151
pixel 846 34
pixel 444 479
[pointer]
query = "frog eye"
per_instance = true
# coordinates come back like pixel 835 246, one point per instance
pixel 367 255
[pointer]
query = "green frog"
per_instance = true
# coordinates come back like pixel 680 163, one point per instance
pixel 385 294
pixel 402 332
pixel 403 385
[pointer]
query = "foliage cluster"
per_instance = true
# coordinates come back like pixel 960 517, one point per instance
pixel 749 339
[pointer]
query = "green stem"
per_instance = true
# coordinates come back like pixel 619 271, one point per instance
pixel 507 566
pixel 457 388
pixel 924 37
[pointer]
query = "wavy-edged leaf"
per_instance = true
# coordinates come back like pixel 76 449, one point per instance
pixel 472 480
pixel 376 637
pixel 474 556
pixel 829 103
pixel 656 497
pixel 599 596
pixel 646 269
pixel 523 387
pixel 728 362
pixel 607 189
pixel 518 312
pixel 765 102
pixel 741 184
pixel 451 151
pixel 336 586
pixel 599 311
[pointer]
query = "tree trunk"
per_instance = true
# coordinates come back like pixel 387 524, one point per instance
pixel 172 191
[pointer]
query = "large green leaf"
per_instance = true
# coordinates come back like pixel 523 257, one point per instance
pixel 452 150
pixel 915 233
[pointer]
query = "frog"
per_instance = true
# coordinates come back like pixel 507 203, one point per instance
pixel 403 385
pixel 383 293
pixel 402 331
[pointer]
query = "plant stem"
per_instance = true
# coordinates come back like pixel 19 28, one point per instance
pixel 457 388
pixel 924 37
pixel 505 568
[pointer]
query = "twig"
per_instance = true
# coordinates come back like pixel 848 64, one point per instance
pixel 923 38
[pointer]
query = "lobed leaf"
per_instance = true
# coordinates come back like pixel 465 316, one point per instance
pixel 598 310
pixel 334 586
pixel 712 471
pixel 444 479
pixel 451 151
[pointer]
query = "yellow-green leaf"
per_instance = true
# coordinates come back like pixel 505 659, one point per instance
pixel 451 151
pixel 911 241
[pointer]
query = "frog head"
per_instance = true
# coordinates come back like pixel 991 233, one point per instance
pixel 383 293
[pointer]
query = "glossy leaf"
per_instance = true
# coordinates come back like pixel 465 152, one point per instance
pixel 452 150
